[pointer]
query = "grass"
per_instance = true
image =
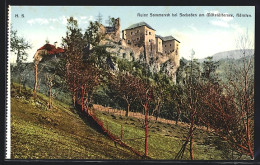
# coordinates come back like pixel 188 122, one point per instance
pixel 165 140
pixel 60 133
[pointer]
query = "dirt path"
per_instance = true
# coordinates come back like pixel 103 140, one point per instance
pixel 141 116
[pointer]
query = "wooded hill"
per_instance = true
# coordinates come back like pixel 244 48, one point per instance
pixel 212 94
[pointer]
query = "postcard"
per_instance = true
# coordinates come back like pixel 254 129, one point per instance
pixel 130 83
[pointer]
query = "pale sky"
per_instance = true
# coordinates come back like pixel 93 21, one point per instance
pixel 205 35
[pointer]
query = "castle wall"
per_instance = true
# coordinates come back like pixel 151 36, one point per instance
pixel 158 44
pixel 168 46
pixel 135 37
pixel 155 49
pixel 113 35
pixel 149 36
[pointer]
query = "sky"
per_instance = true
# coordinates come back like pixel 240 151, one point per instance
pixel 205 35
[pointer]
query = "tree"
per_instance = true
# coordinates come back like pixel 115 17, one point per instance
pixel 74 42
pixel 144 95
pixel 36 73
pixel 89 79
pixel 161 90
pixel 237 109
pixel 126 86
pixel 192 81
pixel 19 46
pixel 49 82
pixel 228 108
pixel 92 34
pixel 209 70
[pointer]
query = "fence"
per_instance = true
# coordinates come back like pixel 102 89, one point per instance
pixel 105 128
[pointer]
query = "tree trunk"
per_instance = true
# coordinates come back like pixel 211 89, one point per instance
pixel 50 103
pixel 178 115
pixel 74 89
pixel 87 101
pixel 82 99
pixel 128 110
pixel 146 131
pixel 191 137
pixel 35 81
pixel 74 99
pixel 20 86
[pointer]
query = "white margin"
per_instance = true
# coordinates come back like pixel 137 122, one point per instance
pixel 8 99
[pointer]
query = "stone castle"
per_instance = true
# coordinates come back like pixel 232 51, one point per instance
pixel 140 41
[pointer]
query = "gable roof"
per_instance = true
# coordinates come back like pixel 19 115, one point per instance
pixel 139 25
pixel 167 38
pixel 51 49
pixel 158 36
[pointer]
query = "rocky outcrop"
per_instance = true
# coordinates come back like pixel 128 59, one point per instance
pixel 47 50
pixel 157 61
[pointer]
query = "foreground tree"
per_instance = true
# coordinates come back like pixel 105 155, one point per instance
pixel 228 109
pixel 240 88
pixel 89 79
pixel 74 42
pixel 190 90
pixel 145 95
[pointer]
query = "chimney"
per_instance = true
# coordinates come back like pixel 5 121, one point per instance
pixel 55 44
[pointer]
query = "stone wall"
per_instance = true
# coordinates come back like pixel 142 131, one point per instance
pixel 112 33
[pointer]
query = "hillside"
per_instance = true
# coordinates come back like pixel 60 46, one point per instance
pixel 232 54
pixel 165 138
pixel 64 133
pixel 60 133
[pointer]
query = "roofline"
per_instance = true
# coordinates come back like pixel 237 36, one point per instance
pixel 138 27
pixel 172 40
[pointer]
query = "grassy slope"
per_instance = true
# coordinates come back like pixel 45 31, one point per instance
pixel 165 140
pixel 38 133
pixel 60 133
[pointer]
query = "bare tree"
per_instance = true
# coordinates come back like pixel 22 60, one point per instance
pixel 49 82
pixel 127 86
pixel 145 94
pixel 228 109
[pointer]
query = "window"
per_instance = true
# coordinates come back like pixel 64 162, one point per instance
pixel 137 39
pixel 137 31
pixel 150 33
pixel 164 45
pixel 149 40
pixel 146 32
pixel 131 33
pixel 124 55
pixel 128 41
pixel 170 44
pixel 165 51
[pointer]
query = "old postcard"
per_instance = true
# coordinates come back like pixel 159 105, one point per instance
pixel 131 82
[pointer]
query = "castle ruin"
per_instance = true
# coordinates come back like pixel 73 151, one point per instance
pixel 161 53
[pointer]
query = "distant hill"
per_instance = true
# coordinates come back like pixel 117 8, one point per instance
pixel 232 54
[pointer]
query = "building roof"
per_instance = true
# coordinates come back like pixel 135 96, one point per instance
pixel 158 36
pixel 167 38
pixel 139 25
pixel 51 49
